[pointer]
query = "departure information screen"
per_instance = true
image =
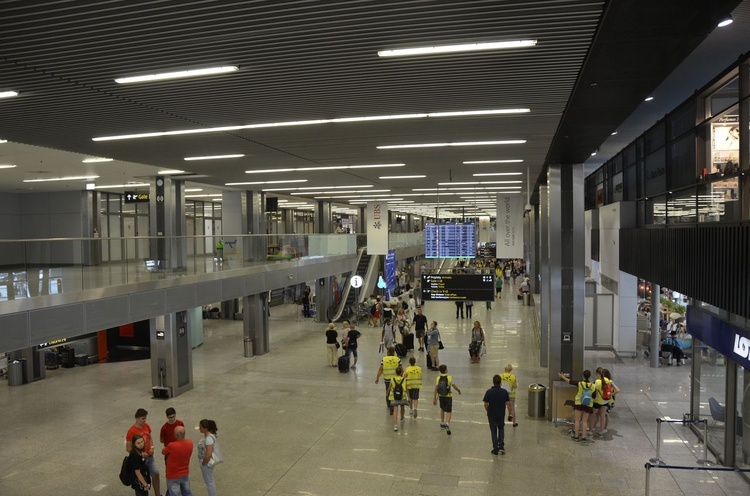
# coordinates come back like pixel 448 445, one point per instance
pixel 450 240
pixel 475 287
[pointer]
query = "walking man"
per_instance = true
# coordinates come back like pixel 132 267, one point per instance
pixel 460 308
pixel 443 385
pixel 178 454
pixel 496 400
pixel 420 327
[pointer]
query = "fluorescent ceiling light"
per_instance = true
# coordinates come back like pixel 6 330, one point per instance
pixel 96 159
pixel 303 188
pixel 170 171
pixel 178 74
pixel 268 182
pixel 336 167
pixel 417 176
pixel 498 174
pixel 649 98
pixel 467 47
pixel 8 94
pixel 460 143
pixel 3 141
pixel 68 178
pixel 7 166
pixel 193 190
pixel 129 185
pixel 216 157
pixel 512 161
pixel 478 182
pixel 311 122
pixel 340 192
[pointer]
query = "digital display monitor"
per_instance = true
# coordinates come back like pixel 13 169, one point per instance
pixel 450 240
pixel 458 287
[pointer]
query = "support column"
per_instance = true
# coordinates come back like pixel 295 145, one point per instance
pixel 532 267
pixel 167 222
pixel 255 322
pixel 287 221
pixel 566 261
pixel 257 245
pixel 323 218
pixel 361 221
pixel 655 312
pixel 545 286
pixel 91 227
pixel 323 298
pixel 171 355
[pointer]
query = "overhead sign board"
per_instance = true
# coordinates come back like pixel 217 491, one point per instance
pixel 135 197
pixel 458 287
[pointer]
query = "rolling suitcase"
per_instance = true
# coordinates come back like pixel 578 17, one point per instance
pixel 409 341
pixel 429 361
pixel 400 350
pixel 344 363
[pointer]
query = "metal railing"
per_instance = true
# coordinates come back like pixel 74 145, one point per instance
pixel 650 466
pixel 658 461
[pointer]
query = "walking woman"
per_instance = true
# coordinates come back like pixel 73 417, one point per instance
pixel 137 462
pixel 206 448
pixel 332 345
pixel 583 403
pixel 477 341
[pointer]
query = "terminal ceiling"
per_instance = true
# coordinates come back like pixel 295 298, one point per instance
pixel 593 64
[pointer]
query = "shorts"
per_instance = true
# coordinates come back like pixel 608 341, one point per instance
pixel 420 333
pixel 151 464
pixel 446 403
pixel 582 408
pixel 399 402
pixel 597 406
pixel 353 351
pixel 413 394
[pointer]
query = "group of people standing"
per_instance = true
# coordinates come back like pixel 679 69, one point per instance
pixel 593 401
pixel 177 451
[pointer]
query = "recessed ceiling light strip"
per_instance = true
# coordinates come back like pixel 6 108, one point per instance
pixel 209 71
pixel 68 178
pixel 460 143
pixel 7 166
pixel 215 157
pixel 498 174
pixel 95 160
pixel 311 122
pixel 465 47
pixel 333 167
pixel 416 176
pixel 8 94
pixel 129 185
pixel 287 181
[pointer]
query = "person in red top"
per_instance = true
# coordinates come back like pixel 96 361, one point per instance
pixel 143 429
pixel 178 454
pixel 166 435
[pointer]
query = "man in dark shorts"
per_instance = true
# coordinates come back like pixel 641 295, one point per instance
pixel 443 385
pixel 420 327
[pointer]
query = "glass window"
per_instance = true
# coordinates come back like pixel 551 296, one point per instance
pixel 629 155
pixel 725 144
pixel 725 97
pixel 629 183
pixel 114 203
pixel 682 120
pixel 710 381
pixel 742 456
pixel 659 209
pixel 655 173
pixel 208 210
pixel 682 207
pixel 719 201
pixel 682 169
pixel 654 138
pixel 617 187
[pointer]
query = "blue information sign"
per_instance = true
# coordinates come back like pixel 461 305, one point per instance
pixel 729 340
pixel 390 270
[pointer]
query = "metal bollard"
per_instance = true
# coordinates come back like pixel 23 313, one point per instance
pixel 657 460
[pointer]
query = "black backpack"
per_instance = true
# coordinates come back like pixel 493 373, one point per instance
pixel 405 305
pixel 373 309
pixel 126 475
pixel 398 390
pixel 443 387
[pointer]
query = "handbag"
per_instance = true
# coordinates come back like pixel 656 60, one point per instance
pixel 440 345
pixel 338 345
pixel 216 457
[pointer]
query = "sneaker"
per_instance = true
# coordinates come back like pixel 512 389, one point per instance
pixel 415 413
pixel 395 428
pixel 494 452
pixel 576 439
pixel 584 440
pixel 448 429
pixel 515 424
pixel 443 425
pixel 402 418
pixel 502 451
pixel 603 432
pixel 411 412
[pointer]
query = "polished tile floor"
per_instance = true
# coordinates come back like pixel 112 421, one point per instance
pixel 290 425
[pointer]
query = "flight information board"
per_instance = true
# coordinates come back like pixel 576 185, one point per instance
pixel 450 240
pixel 452 287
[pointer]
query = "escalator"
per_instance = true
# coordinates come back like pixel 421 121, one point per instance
pixel 344 310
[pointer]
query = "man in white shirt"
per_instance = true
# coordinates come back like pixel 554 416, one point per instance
pixel 412 306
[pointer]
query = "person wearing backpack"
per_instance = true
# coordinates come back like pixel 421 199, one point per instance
pixel 584 401
pixel 509 382
pixel 387 369
pixel 605 391
pixel 397 394
pixel 413 374
pixel 141 479
pixel 443 385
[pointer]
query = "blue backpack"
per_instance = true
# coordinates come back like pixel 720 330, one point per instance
pixel 586 399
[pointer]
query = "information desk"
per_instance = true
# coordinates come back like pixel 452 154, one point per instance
pixel 458 287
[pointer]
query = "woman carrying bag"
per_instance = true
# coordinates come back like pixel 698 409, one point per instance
pixel 477 342
pixel 209 454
